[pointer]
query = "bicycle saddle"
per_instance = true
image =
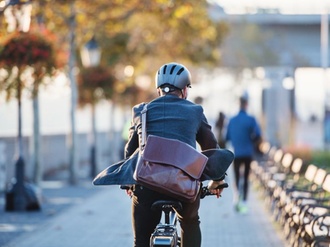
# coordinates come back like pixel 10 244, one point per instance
pixel 162 204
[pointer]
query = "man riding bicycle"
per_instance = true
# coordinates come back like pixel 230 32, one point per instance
pixel 170 115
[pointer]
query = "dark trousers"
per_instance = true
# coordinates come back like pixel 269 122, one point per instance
pixel 246 162
pixel 145 220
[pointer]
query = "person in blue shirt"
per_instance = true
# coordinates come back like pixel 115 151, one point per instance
pixel 242 132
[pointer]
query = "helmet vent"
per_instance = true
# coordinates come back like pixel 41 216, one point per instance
pixel 180 71
pixel 164 72
pixel 172 69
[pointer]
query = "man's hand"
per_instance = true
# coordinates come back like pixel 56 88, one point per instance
pixel 128 189
pixel 216 187
pixel 129 192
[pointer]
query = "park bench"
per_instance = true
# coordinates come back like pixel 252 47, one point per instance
pixel 265 152
pixel 314 219
pixel 317 231
pixel 284 180
pixel 277 177
pixel 263 170
pixel 262 163
pixel 301 203
pixel 298 196
pixel 282 204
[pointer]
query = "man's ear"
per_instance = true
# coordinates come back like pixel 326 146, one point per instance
pixel 185 93
pixel 158 91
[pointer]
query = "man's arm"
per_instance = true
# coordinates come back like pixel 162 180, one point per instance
pixel 133 134
pixel 205 137
pixel 132 142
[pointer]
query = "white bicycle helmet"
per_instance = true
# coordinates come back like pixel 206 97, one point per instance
pixel 173 74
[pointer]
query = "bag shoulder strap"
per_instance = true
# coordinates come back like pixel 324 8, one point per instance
pixel 144 124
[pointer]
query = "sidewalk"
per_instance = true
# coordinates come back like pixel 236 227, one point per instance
pixel 102 218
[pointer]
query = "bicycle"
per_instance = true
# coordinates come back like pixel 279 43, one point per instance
pixel 166 234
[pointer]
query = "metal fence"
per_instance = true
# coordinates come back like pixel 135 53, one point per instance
pixel 55 154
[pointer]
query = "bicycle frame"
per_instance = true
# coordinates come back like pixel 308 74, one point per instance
pixel 166 234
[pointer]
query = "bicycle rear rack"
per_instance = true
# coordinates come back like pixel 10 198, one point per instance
pixel 166 235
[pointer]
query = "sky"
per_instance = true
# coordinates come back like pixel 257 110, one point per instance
pixel 284 6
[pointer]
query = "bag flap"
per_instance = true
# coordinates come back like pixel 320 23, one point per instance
pixel 176 153
pixel 218 163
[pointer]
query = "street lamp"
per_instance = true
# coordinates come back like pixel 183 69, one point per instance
pixel 288 83
pixel 20 196
pixel 91 57
pixel 91 54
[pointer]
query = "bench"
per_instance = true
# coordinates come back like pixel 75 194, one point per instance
pixel 298 196
pixel 317 231
pixel 277 177
pixel 283 181
pixel 261 162
pixel 314 227
pixel 263 169
pixel 303 204
pixel 282 204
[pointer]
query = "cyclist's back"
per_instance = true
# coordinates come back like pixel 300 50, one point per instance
pixel 170 116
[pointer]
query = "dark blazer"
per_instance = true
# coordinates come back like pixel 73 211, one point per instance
pixel 171 117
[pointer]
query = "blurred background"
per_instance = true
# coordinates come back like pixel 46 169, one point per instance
pixel 71 71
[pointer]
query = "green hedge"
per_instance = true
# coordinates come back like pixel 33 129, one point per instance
pixel 319 158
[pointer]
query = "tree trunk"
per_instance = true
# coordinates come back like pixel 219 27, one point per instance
pixel 93 157
pixel 113 150
pixel 37 171
pixel 19 200
pixel 72 77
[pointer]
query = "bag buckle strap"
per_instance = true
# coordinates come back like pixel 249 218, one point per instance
pixel 143 121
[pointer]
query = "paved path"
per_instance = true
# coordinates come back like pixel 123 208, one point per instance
pixel 103 219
